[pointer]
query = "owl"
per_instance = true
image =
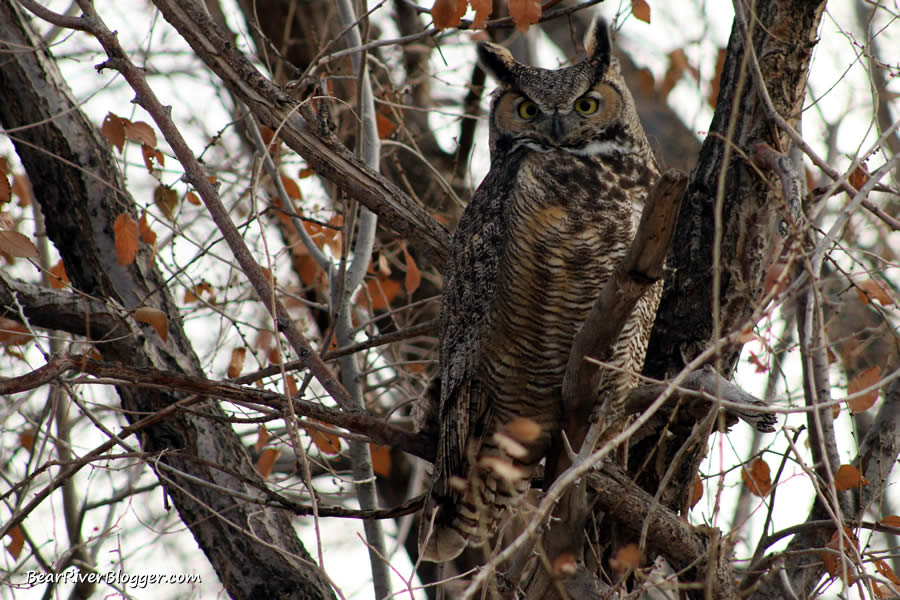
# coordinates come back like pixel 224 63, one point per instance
pixel 570 170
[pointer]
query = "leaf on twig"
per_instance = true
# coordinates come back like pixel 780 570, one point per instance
pixel 327 443
pixel 867 379
pixel 641 10
pixel 58 277
pixel 447 13
pixel 870 290
pixel 236 364
pixel 757 479
pixel 525 13
pixel 413 275
pixel 266 461
pixel 155 318
pixel 17 541
pixel 848 477
pixel 381 459
pixel 126 238
pixel 262 436
pixel 832 560
pixel 696 491
pixel 147 234
pixel 17 245
pixel 113 129
pixel 166 199
pixel 13 333
pixel 482 10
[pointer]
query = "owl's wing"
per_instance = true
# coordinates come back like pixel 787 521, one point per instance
pixel 467 314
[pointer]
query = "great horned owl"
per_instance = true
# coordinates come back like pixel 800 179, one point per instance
pixel 570 170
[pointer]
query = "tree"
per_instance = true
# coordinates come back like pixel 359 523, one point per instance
pixel 333 286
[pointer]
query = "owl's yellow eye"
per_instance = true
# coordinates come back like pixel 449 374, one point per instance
pixel 528 110
pixel 586 105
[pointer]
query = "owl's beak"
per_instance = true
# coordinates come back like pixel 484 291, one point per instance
pixel 557 128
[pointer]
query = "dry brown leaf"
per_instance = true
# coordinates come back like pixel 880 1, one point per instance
pixel 696 491
pixel 291 383
pixel 152 157
pixel 626 558
pixel 26 439
pixel 58 277
pixel 126 235
pixel 17 245
pixel 13 333
pixel 381 459
pixel 385 125
pixel 113 129
pixel 262 437
pixel 831 559
pixel 482 10
pixel 166 199
pixel 891 521
pixel 525 13
pixel 236 364
pixel 266 461
pixel 291 188
pixel 447 13
pixel 757 479
pixel 155 318
pixel 870 290
pixel 379 293
pixel 147 234
pixel 307 172
pixel 858 177
pixel 641 10
pixel 868 378
pixel 5 190
pixel 193 199
pixel 886 571
pixel 413 275
pixel 327 443
pixel 14 547
pixel 677 65
pixel 717 78
pixel 564 565
pixel 140 132
pixel 848 477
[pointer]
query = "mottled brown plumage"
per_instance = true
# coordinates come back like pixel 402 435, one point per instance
pixel 570 169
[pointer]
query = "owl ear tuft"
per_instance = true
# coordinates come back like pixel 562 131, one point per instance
pixel 498 61
pixel 598 45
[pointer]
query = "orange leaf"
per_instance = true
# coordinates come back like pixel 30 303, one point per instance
pixel 626 558
pixel 677 65
pixel 385 125
pixel 26 439
pixel 17 543
pixel 307 172
pixel 13 333
pixel 641 10
pixel 327 443
pixel 858 177
pixel 152 157
pixel 447 13
pixel 262 436
pixel 266 461
pixel 236 365
pixel 140 132
pixel 868 378
pixel 524 13
pixel 757 479
pixel 113 129
pixel 380 293
pixel 717 78
pixel 5 189
pixel 292 388
pixel 832 561
pixel 166 199
pixel 147 234
pixel 413 275
pixel 307 268
pixel 886 571
pixel 696 491
pixel 58 277
pixel 21 189
pixel 870 289
pixel 291 188
pixel 848 477
pixel 381 459
pixel 193 199
pixel 17 245
pixel 126 234
pixel 891 521
pixel 155 318
pixel 482 10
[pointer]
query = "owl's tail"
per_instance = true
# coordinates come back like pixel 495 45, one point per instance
pixel 461 512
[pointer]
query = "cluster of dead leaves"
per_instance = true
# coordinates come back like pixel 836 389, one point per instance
pixel 13 244
pixel 844 545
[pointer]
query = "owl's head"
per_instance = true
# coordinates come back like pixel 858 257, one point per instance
pixel 584 109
